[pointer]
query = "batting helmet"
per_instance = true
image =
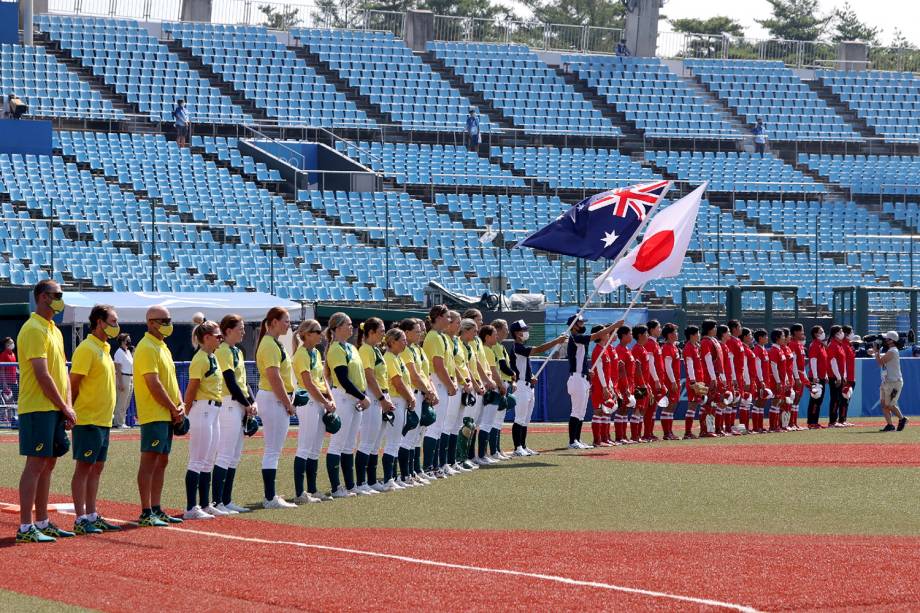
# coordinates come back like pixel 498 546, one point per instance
pixel 411 422
pixel 250 426
pixel 301 398
pixel 491 397
pixel 428 415
pixel 467 399
pixel 388 417
pixel 61 441
pixel 332 422
pixel 181 428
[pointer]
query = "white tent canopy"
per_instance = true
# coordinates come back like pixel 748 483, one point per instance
pixel 132 306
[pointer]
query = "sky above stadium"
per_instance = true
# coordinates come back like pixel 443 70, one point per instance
pixel 884 14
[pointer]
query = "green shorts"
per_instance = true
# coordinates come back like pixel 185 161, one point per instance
pixel 90 444
pixel 42 434
pixel 156 437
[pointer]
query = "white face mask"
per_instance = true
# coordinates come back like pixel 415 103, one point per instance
pixel 820 336
pixel 839 336
pixel 851 336
pixel 525 335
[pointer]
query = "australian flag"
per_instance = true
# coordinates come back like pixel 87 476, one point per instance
pixel 601 226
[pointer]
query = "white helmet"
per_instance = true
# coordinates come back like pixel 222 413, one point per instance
pixel 607 407
pixel 728 397
pixel 631 401
pixel 816 391
pixel 847 392
pixel 767 393
pixel 746 398
pixel 790 397
pixel 663 402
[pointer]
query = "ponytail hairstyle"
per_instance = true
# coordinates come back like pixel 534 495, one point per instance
pixel 229 322
pixel 202 330
pixel 424 324
pixel 337 320
pixel 466 325
pixel 438 310
pixel 274 314
pixel 307 325
pixel 393 335
pixel 197 319
pixel 472 314
pixel 368 327
pixel 500 324
pixel 485 331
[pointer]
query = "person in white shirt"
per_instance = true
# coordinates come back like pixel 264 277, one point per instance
pixel 124 379
pixel 892 381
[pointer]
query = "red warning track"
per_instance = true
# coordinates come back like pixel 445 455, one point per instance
pixel 859 455
pixel 146 569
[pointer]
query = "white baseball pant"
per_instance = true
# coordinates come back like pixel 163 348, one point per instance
pixel 579 389
pixel 230 425
pixel 441 410
pixel 311 432
pixel 413 437
pixel 371 429
pixel 523 409
pixel 204 436
pixel 474 411
pixel 391 433
pixel 345 439
pixel 275 424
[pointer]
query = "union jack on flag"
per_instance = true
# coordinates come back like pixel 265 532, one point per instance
pixel 635 198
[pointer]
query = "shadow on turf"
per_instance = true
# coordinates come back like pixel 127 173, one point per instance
pixel 518 465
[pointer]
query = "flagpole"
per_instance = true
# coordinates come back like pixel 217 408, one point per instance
pixel 606 274
pixel 635 299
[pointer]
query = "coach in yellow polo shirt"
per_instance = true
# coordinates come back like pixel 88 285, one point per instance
pixel 44 412
pixel 92 381
pixel 159 406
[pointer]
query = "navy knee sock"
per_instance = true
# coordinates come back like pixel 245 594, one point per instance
pixel 312 469
pixel 300 469
pixel 372 469
pixel 443 448
pixel 360 468
pixel 332 467
pixel 471 448
pixel 574 429
pixel 416 464
pixel 204 489
pixel 524 436
pixel 430 449
pixel 191 488
pixel 348 470
pixel 452 449
pixel 268 482
pixel 217 484
pixel 404 458
pixel 515 435
pixel 387 467
pixel 493 441
pixel 483 442
pixel 228 486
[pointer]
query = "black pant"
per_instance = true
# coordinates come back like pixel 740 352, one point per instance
pixel 837 401
pixel 814 406
pixel 760 148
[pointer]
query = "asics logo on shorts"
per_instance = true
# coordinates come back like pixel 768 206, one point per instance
pixel 39 447
pixel 155 442
pixel 87 453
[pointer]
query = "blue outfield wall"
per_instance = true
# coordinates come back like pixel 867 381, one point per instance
pixel 25 136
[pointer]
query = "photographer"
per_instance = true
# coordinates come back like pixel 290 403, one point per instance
pixel 890 391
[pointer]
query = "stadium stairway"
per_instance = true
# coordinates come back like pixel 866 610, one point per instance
pixel 744 145
pixel 195 63
pixel 833 100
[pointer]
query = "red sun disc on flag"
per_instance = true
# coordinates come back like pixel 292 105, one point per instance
pixel 654 250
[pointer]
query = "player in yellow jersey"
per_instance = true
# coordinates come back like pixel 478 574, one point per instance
pixel 92 381
pixel 203 397
pixel 508 377
pixel 418 366
pixel 454 416
pixel 439 350
pixel 309 371
pixel 276 384
pixel 382 407
pixel 403 397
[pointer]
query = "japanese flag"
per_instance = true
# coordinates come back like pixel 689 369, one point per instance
pixel 661 252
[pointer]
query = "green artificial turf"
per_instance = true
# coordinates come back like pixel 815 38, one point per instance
pixel 14 601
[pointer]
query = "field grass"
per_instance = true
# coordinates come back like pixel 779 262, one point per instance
pixel 563 490
pixel 14 601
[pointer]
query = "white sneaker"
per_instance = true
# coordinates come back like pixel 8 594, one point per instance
pixel 231 506
pixel 408 482
pixel 585 445
pixel 477 461
pixel 390 486
pixel 531 451
pixel 502 455
pixel 305 498
pixel 378 487
pixel 575 445
pixel 487 460
pixel 341 492
pixel 520 452
pixel 461 468
pixel 196 513
pixel 495 457
pixel 227 510
pixel 278 503
pixel 368 489
pixel 469 465
pixel 212 510
pixel 420 480
pixel 448 470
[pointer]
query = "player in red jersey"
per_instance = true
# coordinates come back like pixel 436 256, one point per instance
pixel 748 382
pixel 626 383
pixel 713 377
pixel 693 363
pixel 851 371
pixel 655 378
pixel 777 355
pixel 791 380
pixel 797 345
pixel 731 384
pixel 736 348
pixel 763 377
pixel 837 372
pixel 602 376
pixel 817 368
pixel 670 358
pixel 643 394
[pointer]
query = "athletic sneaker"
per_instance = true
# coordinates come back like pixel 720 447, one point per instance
pixel 212 510
pixel 503 455
pixel 531 451
pixel 55 532
pixel 487 460
pixel 584 445
pixel 378 487
pixel 105 526
pixel 574 445
pixel 368 489
pixel 689 437
pixel 434 475
pixel 151 521
pixel 277 503
pixel 408 482
pixel 33 535
pixel 902 423
pixel 449 471
pixel 323 497
pixel 888 428
pixel 196 512
pixel 420 480
pixel 460 468
pixel 85 526
pixel 520 452
pixel 469 465
pixel 392 486
pixel 231 506
pixel 169 519
pixel 305 498
pixel 225 509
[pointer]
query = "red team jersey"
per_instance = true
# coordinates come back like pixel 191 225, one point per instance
pixel 694 366
pixel 641 356
pixel 766 375
pixel 777 367
pixel 836 353
pixel 817 360
pixel 851 359
pixel 671 353
pixel 709 347
pixel 627 384
pixel 736 348
pixel 791 376
pixel 798 350
pixel 603 375
pixel 653 349
pixel 749 377
pixel 728 364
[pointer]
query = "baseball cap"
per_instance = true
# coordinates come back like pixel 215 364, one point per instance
pixel 891 335
pixel 517 326
pixel 574 318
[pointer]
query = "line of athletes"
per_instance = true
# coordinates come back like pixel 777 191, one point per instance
pixel 732 375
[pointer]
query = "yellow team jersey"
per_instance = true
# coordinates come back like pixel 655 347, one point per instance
pixel 471 356
pixel 461 369
pixel 502 354
pixel 311 362
pixel 231 358
pixel 408 357
pixel 153 356
pixel 211 382
pixel 372 357
pixel 396 367
pixel 271 354
pixel 40 338
pixel 483 353
pixel 489 356
pixel 438 345
pixel 345 354
pixel 95 403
